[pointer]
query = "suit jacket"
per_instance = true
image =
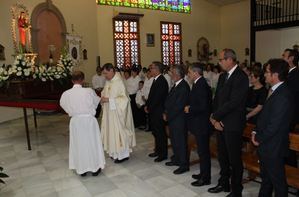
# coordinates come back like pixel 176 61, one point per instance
pixel 176 101
pixel 157 96
pixel 293 84
pixel 200 102
pixel 229 105
pixel 273 123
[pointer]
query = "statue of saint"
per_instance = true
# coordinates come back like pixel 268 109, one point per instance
pixel 23 25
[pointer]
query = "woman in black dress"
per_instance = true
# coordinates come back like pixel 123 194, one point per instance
pixel 257 95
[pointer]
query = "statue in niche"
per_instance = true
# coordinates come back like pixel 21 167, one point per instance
pixel 203 49
pixel 21 29
pixel 23 26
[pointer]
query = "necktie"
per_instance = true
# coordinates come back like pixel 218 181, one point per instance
pixel 269 93
pixel 226 77
pixel 172 88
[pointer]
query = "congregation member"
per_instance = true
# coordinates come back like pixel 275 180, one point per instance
pixel 208 73
pixel 257 95
pixel 132 84
pixel 291 56
pixel 85 148
pixel 118 132
pixel 272 129
pixel 215 77
pixel 142 73
pixel 145 91
pixel 140 102
pixel 175 116
pixel 198 111
pixel 98 82
pixel 155 107
pixel 167 75
pixel 147 84
pixel 229 118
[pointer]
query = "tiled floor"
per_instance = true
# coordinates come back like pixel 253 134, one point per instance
pixel 44 170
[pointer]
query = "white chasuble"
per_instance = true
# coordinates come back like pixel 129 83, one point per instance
pixel 118 132
pixel 86 150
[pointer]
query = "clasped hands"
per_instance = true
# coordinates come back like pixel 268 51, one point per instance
pixel 218 125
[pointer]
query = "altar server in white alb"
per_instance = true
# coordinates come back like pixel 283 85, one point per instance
pixel 117 125
pixel 86 150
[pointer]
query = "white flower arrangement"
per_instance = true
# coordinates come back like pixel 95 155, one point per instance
pixel 23 69
pixel 62 70
pixel 4 74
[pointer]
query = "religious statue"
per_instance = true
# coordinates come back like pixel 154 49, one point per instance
pixel 23 25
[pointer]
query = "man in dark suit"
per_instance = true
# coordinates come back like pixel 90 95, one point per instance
pixel 229 118
pixel 199 111
pixel 174 113
pixel 272 129
pixel 291 56
pixel 155 107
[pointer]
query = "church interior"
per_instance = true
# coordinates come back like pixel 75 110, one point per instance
pixel 84 34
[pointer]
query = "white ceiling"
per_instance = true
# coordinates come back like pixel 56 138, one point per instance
pixel 224 2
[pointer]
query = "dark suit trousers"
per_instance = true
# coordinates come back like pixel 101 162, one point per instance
pixel 178 138
pixel 203 150
pixel 273 175
pixel 134 110
pixel 229 144
pixel 158 129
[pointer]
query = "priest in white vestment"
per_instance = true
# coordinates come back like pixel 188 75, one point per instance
pixel 86 150
pixel 118 133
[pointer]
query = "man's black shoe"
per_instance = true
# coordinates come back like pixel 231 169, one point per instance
pixel 200 182
pixel 121 160
pixel 219 188
pixel 84 174
pixel 153 155
pixel 180 170
pixel 159 159
pixel 196 176
pixel 97 172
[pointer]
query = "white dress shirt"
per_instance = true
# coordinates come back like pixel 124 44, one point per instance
pixel 147 86
pixel 230 72
pixel 132 84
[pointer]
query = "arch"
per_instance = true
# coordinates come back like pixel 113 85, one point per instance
pixel 55 14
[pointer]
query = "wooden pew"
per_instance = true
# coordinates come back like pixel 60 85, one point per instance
pixel 250 158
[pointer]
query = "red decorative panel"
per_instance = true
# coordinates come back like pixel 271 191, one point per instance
pixel 171 42
pixel 126 42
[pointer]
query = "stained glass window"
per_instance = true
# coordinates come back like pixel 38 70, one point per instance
pixel 165 5
pixel 126 42
pixel 171 43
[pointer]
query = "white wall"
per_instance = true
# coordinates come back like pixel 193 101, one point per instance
pixel 272 43
pixel 235 28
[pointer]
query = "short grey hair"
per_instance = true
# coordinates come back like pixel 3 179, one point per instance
pixel 179 70
pixel 230 53
pixel 197 67
pixel 159 65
